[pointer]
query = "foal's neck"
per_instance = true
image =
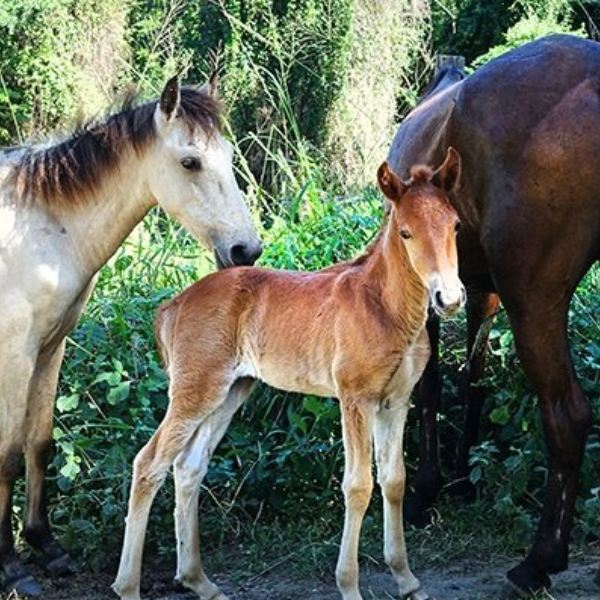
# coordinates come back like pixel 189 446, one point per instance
pixel 403 294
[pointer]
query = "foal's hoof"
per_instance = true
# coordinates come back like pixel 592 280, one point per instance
pixel 23 586
pixel 527 580
pixel 61 566
pixel 419 594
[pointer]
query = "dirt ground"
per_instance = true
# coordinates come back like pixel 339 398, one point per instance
pixel 473 579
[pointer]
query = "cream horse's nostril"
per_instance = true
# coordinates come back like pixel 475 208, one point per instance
pixel 245 254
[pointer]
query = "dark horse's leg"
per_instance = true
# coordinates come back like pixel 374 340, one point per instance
pixel 428 479
pixel 540 329
pixel 481 308
pixel 38 450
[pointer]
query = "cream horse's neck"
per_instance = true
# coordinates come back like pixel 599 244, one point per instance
pixel 100 224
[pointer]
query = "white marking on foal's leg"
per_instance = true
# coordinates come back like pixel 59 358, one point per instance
pixel 190 468
pixel 389 432
pixel 357 487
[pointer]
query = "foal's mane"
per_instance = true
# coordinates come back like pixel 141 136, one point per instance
pixel 66 172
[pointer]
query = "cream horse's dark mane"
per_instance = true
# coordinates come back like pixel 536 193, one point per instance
pixel 68 171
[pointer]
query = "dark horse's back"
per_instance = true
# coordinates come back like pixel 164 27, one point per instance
pixel 527 126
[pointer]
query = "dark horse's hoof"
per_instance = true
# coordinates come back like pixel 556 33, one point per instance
pixel 527 579
pixel 59 566
pixel 23 586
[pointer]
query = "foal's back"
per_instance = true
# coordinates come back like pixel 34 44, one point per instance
pixel 277 326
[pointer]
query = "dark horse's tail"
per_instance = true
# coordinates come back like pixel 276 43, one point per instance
pixel 444 78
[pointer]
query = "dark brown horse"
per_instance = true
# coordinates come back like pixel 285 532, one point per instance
pixel 527 126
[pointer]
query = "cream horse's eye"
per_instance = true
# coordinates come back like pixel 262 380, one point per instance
pixel 191 164
pixel 405 234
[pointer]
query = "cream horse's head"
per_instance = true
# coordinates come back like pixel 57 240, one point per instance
pixel 190 174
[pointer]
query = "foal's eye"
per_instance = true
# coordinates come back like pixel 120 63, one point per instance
pixel 457 226
pixel 405 234
pixel 191 164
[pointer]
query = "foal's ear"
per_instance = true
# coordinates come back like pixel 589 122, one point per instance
pixel 448 175
pixel 391 185
pixel 211 87
pixel 169 99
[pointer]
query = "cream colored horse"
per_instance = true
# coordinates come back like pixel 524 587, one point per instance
pixel 64 210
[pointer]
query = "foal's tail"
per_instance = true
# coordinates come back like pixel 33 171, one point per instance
pixel 163 331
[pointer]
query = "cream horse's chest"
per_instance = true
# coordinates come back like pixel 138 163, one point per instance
pixel 41 292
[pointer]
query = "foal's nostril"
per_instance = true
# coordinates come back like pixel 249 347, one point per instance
pixel 242 254
pixel 439 299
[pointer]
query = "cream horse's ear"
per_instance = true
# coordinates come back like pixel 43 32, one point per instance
pixel 211 87
pixel 169 99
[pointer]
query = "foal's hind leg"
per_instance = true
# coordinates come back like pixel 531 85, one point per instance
pixel 38 449
pixel 190 468
pixel 188 408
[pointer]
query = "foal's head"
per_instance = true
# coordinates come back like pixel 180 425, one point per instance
pixel 191 176
pixel 426 225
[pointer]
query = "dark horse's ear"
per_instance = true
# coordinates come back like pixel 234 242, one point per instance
pixel 169 99
pixel 448 175
pixel 391 185
pixel 211 87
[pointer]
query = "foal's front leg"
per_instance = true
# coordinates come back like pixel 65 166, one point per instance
pixel 357 420
pixel 389 431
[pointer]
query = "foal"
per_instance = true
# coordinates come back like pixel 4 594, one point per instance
pixel 354 331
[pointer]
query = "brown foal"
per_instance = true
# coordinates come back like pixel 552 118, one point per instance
pixel 355 331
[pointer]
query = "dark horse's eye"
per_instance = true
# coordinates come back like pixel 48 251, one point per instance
pixel 405 233
pixel 457 226
pixel 191 164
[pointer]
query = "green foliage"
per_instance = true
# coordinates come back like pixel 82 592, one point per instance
pixel 481 31
pixel 44 60
pixel 540 18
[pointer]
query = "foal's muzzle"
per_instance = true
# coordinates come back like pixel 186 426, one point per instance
pixel 447 302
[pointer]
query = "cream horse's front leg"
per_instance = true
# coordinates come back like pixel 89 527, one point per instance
pixel 357 486
pixel 389 433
